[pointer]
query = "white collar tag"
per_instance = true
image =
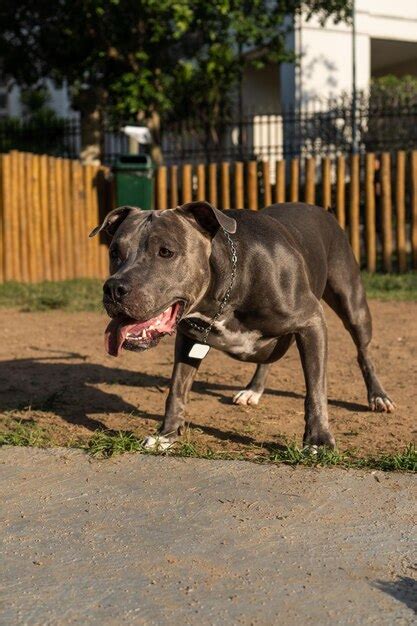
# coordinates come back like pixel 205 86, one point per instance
pixel 199 351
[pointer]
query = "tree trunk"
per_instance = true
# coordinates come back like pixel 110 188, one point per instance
pixel 154 125
pixel 89 103
pixel 91 136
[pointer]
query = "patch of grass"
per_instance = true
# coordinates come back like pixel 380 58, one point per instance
pixel 404 461
pixel 83 294
pixel 25 434
pixel 291 454
pixel 105 444
pixel 391 286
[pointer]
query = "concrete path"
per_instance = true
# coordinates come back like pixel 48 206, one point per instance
pixel 146 540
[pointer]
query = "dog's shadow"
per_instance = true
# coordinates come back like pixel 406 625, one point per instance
pixel 66 384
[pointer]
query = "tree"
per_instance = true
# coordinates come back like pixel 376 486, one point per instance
pixel 145 58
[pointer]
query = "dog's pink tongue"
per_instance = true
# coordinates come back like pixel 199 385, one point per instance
pixel 114 336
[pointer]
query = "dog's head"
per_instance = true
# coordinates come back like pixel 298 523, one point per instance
pixel 159 268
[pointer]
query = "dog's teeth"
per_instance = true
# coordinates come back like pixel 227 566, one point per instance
pixel 143 334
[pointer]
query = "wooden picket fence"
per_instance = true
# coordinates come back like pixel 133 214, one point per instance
pixel 374 197
pixel 49 205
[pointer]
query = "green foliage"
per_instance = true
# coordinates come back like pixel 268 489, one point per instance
pixel 67 295
pixel 394 88
pixel 391 286
pixel 84 294
pixel 42 132
pixel 147 57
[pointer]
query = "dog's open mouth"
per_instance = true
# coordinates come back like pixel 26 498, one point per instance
pixel 133 335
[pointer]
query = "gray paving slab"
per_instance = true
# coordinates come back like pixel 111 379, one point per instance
pixel 151 540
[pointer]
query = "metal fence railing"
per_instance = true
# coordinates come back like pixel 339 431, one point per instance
pixel 319 129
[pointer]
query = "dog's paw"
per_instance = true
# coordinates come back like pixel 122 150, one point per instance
pixel 157 443
pixel 247 397
pixel 313 440
pixel 381 403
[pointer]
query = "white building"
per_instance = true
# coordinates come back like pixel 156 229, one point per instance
pixel 386 43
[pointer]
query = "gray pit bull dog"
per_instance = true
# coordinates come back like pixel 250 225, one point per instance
pixel 247 283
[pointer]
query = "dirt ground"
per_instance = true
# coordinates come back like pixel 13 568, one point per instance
pixel 54 371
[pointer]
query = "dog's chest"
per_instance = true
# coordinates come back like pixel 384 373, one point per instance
pixel 241 342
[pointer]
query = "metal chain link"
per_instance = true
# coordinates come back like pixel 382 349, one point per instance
pixel 233 257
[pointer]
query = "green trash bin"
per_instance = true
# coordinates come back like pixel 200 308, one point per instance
pixel 134 181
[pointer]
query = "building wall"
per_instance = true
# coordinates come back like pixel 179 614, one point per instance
pixel 325 68
pixel 59 101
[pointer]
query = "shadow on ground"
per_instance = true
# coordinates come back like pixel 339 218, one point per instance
pixel 65 385
pixel 404 589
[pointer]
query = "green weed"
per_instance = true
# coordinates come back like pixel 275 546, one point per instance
pixel 67 295
pixel 105 444
pixel 25 434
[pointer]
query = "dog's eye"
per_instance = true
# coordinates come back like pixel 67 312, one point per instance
pixel 165 253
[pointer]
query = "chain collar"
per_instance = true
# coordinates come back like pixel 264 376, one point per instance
pixel 233 257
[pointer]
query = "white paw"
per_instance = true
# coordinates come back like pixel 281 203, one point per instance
pixel 157 443
pixel 247 397
pixel 311 449
pixel 382 404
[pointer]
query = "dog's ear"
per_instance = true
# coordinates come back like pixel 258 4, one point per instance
pixel 208 217
pixel 113 220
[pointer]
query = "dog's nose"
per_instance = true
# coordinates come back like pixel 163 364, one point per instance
pixel 115 289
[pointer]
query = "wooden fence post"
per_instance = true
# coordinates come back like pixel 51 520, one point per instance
pixel 253 185
pixel 340 191
pixel 267 183
pixel 354 216
pixel 23 218
pixel 414 207
pixel 20 216
pixel 46 240
pixel 370 224
pixel 239 186
pixel 29 209
pixel 77 216
pixel 213 184
pixel 68 244
pixel 280 181
pixel 53 232
pixel 36 207
pixel 310 180
pixel 201 182
pixel 173 186
pixel 8 219
pixel 161 188
pixel 225 185
pixel 295 178
pixel 15 249
pixel 187 188
pixel 2 234
pixel 60 219
pixel 386 202
pixel 91 221
pixel 326 183
pixel 400 207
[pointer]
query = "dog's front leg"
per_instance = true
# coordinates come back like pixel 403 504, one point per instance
pixel 184 372
pixel 312 346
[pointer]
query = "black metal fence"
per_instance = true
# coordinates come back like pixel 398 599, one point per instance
pixel 320 129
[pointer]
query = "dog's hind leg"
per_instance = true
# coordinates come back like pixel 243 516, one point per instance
pixel 253 392
pixel 345 294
